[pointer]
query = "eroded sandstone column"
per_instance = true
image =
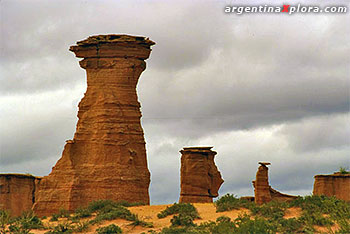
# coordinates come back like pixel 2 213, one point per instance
pixel 107 157
pixel 337 185
pixel 261 184
pixel 200 178
pixel 264 193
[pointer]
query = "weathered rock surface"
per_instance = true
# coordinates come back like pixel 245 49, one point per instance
pixel 261 184
pixel 107 157
pixel 263 191
pixel 200 178
pixel 337 185
pixel 17 192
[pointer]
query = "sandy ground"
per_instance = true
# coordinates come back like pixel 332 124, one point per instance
pixel 206 211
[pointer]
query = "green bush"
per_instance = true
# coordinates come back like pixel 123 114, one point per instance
pixel 61 228
pixel 62 213
pixel 138 222
pixel 344 226
pixel 82 213
pixel 110 229
pixel 268 218
pixel 81 226
pixel 54 217
pixel 272 210
pixel 343 170
pixel 244 224
pixel 111 212
pixel 322 211
pixel 4 220
pixel 180 208
pixel 24 223
pixel 230 202
pixel 184 220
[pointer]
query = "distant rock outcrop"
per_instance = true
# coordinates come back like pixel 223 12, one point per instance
pixel 107 157
pixel 200 178
pixel 337 185
pixel 263 191
pixel 17 192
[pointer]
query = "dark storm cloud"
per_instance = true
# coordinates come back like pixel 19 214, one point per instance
pixel 35 129
pixel 318 134
pixel 38 34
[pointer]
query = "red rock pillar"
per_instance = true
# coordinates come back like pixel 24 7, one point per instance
pixel 200 178
pixel 107 157
pixel 261 185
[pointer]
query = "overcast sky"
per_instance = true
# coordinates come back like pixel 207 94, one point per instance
pixel 257 87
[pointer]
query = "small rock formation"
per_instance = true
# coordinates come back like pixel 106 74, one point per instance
pixel 200 178
pixel 337 185
pixel 17 192
pixel 263 191
pixel 107 157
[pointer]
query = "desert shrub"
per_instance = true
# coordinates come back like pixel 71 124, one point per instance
pixel 62 213
pixel 344 226
pixel 109 229
pixel 54 217
pixel 81 226
pixel 223 225
pixel 82 213
pixel 4 220
pixel 101 204
pixel 315 218
pixel 291 225
pixel 180 208
pixel 130 204
pixel 114 212
pixel 230 202
pixel 138 222
pixel 272 210
pixel 343 170
pixel 244 224
pixel 110 213
pixel 315 207
pixel 61 228
pixel 24 223
pixel 184 220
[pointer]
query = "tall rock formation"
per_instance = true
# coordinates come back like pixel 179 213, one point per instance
pixel 264 193
pixel 337 185
pixel 17 192
pixel 261 184
pixel 200 178
pixel 107 157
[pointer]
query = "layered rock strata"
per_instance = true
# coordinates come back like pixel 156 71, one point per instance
pixel 263 191
pixel 337 185
pixel 107 157
pixel 200 178
pixel 261 184
pixel 17 192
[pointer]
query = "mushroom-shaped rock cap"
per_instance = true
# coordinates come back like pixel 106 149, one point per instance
pixel 264 163
pixel 202 150
pixel 113 45
pixel 115 38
